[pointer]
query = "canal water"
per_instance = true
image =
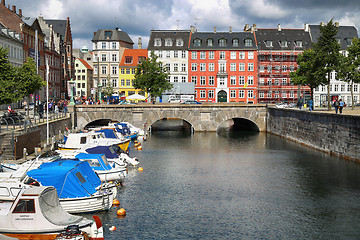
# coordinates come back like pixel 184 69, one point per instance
pixel 238 185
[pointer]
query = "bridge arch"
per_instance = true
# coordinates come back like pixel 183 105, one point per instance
pixel 239 124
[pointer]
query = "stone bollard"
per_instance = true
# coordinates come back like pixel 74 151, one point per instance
pixel 25 154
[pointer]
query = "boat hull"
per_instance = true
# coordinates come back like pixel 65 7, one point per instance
pixel 31 236
pixel 112 175
pixel 88 204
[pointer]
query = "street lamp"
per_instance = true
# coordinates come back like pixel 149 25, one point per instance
pixel 72 83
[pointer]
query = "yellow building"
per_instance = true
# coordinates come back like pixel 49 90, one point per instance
pixel 127 68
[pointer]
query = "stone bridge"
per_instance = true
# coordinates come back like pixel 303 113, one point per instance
pixel 202 117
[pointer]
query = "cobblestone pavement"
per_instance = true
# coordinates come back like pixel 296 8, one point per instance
pixel 346 111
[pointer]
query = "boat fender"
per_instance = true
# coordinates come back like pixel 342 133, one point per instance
pixel 72 229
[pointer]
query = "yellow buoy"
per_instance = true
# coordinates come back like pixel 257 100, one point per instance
pixel 136 145
pixel 139 148
pixel 140 169
pixel 121 212
pixel 116 202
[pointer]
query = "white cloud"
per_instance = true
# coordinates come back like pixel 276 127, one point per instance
pixel 53 9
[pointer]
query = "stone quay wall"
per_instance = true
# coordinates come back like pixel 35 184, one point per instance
pixel 334 134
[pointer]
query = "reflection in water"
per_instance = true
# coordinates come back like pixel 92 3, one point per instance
pixel 236 186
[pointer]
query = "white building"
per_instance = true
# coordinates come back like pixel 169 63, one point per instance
pixel 12 42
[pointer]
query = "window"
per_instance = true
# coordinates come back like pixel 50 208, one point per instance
pixel 114 70
pixel 194 79
pixel 167 67
pixel 211 94
pixel 250 80
pixel 176 79
pixel 103 45
pixel 141 59
pixel 211 67
pixel 250 93
pixel 336 87
pixel 133 70
pixel 241 66
pixel 248 42
pixel 250 66
pixel 103 82
pixel 128 59
pixel 176 67
pixel 298 43
pixel 193 55
pixel 157 42
pixel 113 45
pixel 197 42
pixel 25 206
pixel 194 67
pixel 356 88
pixel 222 81
pixel 167 54
pixel 103 57
pixel 202 93
pixel 202 80
pixel 108 34
pixel 222 42
pixel 232 67
pixel 202 67
pixel 168 42
pixel 232 80
pixel 232 93
pixel 122 71
pixel 183 67
pixel 160 54
pixel 128 71
pixel 222 55
pixel 211 80
pixel 211 55
pixel 103 70
pixel 250 55
pixel 241 93
pixel 114 82
pixel 241 80
pixel 222 67
pixel 262 68
pixel 268 94
pixel 283 43
pixel 261 94
pixel 284 68
pixel 202 55
pixel 235 42
pixel 268 43
pixel 284 81
pixel 179 42
pixel 269 68
pixel 183 54
pixel 176 54
pixel 183 79
pixel 241 55
pixel 232 55
pixel 114 57
pixel 210 42
pixel 292 68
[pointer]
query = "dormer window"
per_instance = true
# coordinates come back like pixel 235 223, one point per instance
pixel 210 42
pixel 298 43
pixel 168 42
pixel 141 59
pixel 157 42
pixel 283 43
pixel 128 59
pixel 222 42
pixel 348 41
pixel 268 43
pixel 248 42
pixel 235 42
pixel 108 35
pixel 197 42
pixel 179 42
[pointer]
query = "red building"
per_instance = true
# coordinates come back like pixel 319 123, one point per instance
pixel 223 66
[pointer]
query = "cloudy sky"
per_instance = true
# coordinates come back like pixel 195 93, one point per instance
pixel 138 17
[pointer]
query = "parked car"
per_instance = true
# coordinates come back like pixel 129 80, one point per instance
pixel 191 102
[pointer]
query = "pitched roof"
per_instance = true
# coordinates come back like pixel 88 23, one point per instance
pixel 85 63
pixel 59 26
pixel 114 35
pixel 169 34
pixel 345 34
pixel 277 36
pixel 135 54
pixel 228 36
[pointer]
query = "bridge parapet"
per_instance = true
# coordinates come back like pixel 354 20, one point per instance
pixel 203 117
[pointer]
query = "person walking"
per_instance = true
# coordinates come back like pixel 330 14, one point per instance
pixel 341 106
pixel 300 102
pixel 311 104
pixel 336 105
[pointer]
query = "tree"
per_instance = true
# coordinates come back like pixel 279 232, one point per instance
pixel 307 71
pixel 29 80
pixel 108 90
pixel 8 83
pixel 151 76
pixel 327 51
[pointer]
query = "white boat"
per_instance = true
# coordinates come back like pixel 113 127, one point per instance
pixel 85 140
pixel 36 213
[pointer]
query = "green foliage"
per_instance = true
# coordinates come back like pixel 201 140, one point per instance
pixel 107 90
pixel 151 77
pixel 17 83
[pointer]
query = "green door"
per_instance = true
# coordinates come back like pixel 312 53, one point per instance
pixel 222 96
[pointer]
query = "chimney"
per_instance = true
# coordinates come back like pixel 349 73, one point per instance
pixel 14 8
pixel 337 24
pixel 279 27
pixel 322 24
pixel 3 2
pixel 214 29
pixel 94 34
pixel 306 27
pixel 20 13
pixel 230 29
pixel 139 43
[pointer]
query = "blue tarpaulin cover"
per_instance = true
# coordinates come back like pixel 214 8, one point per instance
pixel 95 157
pixel 71 178
pixel 107 150
pixel 109 133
